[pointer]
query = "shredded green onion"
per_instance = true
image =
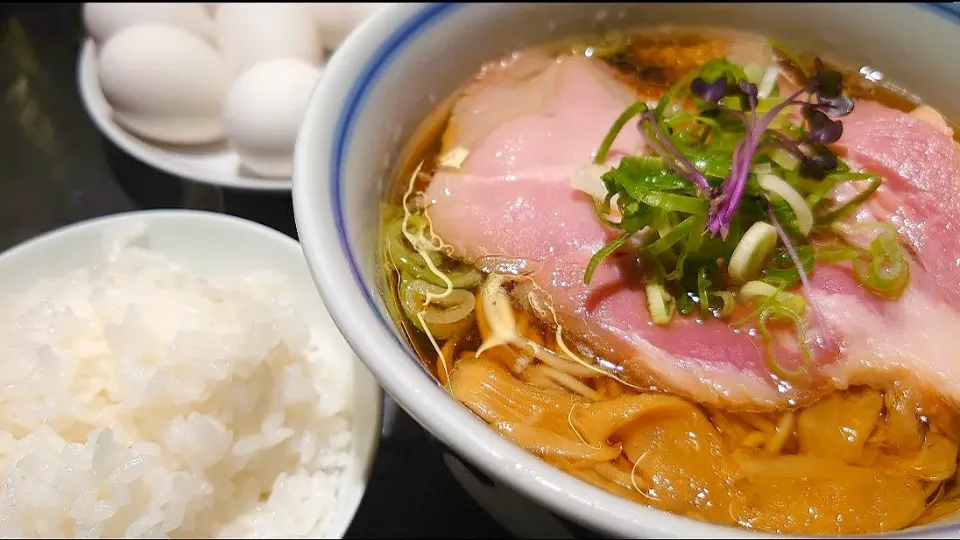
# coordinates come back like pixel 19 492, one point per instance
pixel 785 51
pixel 634 110
pixel 401 255
pixel 657 199
pixel 773 306
pixel 783 272
pixel 853 203
pixel 703 284
pixel 674 235
pixel 601 209
pixel 888 272
pixel 408 261
pixel 605 251
pixel 780 312
pixel 785 159
pixel 833 253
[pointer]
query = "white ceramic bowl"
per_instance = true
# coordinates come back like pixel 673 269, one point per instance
pixel 393 70
pixel 208 243
pixel 215 164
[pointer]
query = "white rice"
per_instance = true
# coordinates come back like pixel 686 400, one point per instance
pixel 139 400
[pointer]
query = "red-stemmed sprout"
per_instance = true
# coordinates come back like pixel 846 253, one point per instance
pixel 699 224
pixel 660 143
pixel 816 158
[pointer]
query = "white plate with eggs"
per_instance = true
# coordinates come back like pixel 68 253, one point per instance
pixel 212 93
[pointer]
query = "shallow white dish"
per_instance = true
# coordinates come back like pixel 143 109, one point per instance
pixel 205 242
pixel 215 164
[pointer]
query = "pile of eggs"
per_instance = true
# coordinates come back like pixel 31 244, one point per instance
pixel 198 73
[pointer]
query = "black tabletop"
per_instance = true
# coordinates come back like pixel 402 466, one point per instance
pixel 56 169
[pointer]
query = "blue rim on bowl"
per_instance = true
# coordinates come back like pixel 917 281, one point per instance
pixel 455 426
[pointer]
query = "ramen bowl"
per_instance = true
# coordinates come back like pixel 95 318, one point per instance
pixel 397 68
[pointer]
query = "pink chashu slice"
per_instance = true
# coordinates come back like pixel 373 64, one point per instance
pixel 527 128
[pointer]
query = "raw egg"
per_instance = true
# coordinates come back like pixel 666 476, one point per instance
pixel 252 33
pixel 102 20
pixel 263 112
pixel 164 83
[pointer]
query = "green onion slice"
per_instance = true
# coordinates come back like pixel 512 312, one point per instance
pixel 752 252
pixel 445 316
pixel 887 274
pixel 660 303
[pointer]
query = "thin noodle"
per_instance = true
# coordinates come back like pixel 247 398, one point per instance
pixel 934 491
pixel 758 422
pixel 575 430
pixel 559 363
pixel 565 379
pixel 448 350
pixel 567 351
pixel 539 379
pixel 614 474
pixel 418 247
pixel 522 362
pixel 783 432
pixel 436 347
pixel 754 439
pixel 633 479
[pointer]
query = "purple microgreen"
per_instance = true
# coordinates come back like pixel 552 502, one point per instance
pixel 660 143
pixel 779 140
pixel 819 162
pixel 749 95
pixel 826 84
pixel 827 87
pixel 731 190
pixel 728 196
pixel 710 92
pixel 836 107
pixel 821 128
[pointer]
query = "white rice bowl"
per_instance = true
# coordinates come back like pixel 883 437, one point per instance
pixel 140 400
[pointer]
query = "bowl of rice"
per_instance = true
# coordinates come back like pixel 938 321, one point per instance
pixel 174 373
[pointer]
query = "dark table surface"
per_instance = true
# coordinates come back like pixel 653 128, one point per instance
pixel 56 169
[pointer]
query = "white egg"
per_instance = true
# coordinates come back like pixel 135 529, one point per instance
pixel 102 20
pixel 264 110
pixel 252 33
pixel 337 19
pixel 164 83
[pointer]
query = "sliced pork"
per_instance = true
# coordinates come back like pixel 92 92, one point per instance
pixel 511 202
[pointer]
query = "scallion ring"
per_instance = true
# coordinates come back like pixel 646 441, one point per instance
pixel 660 303
pixel 752 252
